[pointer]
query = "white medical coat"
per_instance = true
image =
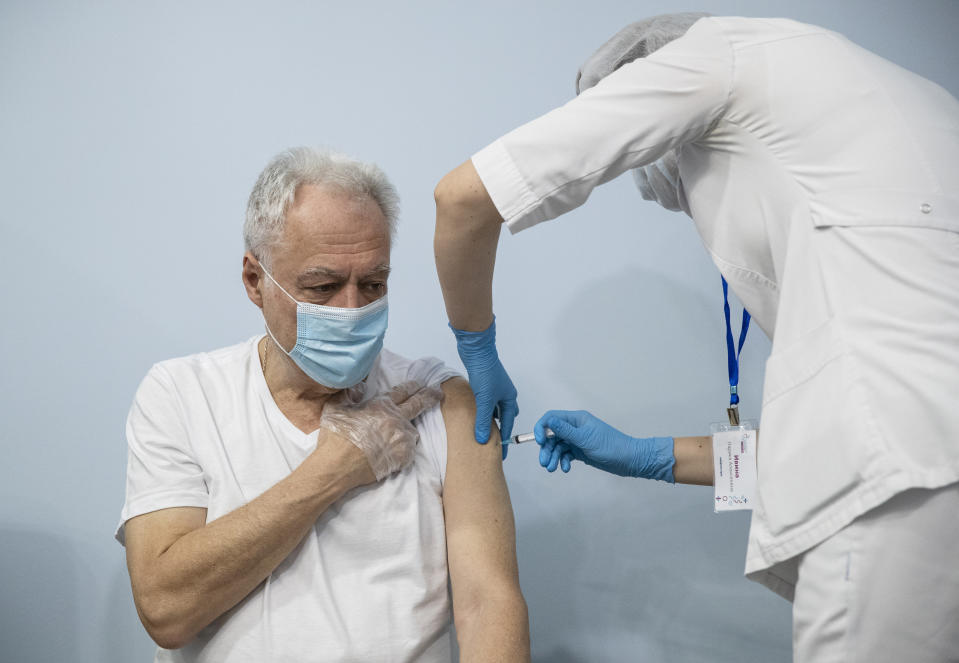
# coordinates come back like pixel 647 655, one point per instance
pixel 824 182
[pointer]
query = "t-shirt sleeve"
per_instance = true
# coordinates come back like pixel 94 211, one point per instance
pixel 632 117
pixel 162 471
pixel 432 372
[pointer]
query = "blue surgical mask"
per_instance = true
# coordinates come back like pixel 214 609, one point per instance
pixel 660 182
pixel 336 346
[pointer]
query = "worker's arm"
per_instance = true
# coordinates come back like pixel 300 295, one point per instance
pixel 467 232
pixel 488 607
pixel 578 435
pixel 694 460
pixel 186 572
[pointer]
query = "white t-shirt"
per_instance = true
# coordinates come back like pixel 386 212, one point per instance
pixel 368 583
pixel 823 182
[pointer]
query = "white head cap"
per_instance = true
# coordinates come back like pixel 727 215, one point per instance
pixel 658 181
pixel 636 40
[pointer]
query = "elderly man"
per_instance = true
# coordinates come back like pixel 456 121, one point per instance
pixel 301 495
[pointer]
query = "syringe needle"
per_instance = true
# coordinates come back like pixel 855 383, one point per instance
pixel 526 437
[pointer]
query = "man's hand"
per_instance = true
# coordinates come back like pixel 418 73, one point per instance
pixel 582 436
pixel 491 385
pixel 380 427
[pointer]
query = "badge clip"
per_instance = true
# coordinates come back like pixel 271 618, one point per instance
pixel 733 413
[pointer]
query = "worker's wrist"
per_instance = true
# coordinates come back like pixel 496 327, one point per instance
pixel 654 459
pixel 471 343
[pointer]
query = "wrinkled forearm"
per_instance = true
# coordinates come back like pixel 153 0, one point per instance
pixel 208 570
pixel 467 233
pixel 496 629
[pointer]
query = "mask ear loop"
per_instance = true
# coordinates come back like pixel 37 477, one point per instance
pixel 295 301
pixel 285 351
pixel 274 339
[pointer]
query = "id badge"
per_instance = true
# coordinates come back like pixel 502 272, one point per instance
pixel 734 466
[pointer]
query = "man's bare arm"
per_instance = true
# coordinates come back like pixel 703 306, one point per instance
pixel 185 573
pixel 464 244
pixel 490 613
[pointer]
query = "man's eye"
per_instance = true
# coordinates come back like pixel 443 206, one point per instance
pixel 325 287
pixel 377 286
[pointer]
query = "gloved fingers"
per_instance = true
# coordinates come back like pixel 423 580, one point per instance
pixel 539 428
pixel 484 417
pixel 505 450
pixel 546 451
pixel 405 450
pixel 508 411
pixel 391 454
pixel 566 461
pixel 420 401
pixel 561 428
pixel 401 392
pixel 554 457
pixel 393 459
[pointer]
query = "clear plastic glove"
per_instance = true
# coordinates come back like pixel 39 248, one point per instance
pixel 581 436
pixel 380 427
pixel 494 391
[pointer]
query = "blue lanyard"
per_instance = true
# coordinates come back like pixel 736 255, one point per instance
pixel 732 353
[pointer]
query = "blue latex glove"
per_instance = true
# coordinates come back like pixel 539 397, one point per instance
pixel 494 391
pixel 581 436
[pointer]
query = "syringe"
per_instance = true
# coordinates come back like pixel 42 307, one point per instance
pixel 527 437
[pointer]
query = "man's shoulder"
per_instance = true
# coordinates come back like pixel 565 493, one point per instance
pixel 393 369
pixel 220 362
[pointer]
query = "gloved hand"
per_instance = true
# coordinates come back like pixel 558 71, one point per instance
pixel 380 427
pixel 494 391
pixel 582 436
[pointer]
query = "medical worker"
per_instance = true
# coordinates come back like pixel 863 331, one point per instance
pixel 824 182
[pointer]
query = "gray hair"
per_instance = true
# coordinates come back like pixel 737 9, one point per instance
pixel 276 187
pixel 636 40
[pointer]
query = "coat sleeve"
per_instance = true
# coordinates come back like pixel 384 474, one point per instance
pixel 549 166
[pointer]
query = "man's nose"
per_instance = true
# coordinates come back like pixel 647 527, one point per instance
pixel 349 296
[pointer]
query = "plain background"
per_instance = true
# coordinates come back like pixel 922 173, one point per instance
pixel 130 136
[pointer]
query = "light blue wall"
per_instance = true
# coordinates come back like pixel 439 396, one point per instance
pixel 130 135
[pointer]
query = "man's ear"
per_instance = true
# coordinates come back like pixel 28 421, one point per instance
pixel 252 278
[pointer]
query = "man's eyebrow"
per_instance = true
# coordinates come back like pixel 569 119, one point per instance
pixel 323 272
pixel 381 270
